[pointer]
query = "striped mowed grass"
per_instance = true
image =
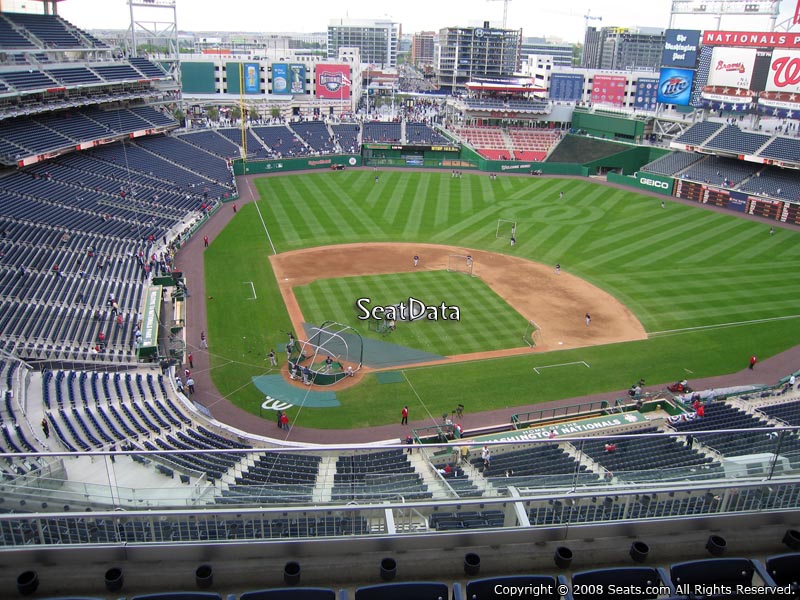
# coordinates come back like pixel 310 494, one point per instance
pixel 708 287
pixel 486 322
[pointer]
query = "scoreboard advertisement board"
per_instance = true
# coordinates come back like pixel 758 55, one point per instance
pixel 566 87
pixel 791 213
pixel 646 94
pixel 770 209
pixel 732 67
pixel 703 194
pixel 784 72
pixel 609 89
pixel 333 81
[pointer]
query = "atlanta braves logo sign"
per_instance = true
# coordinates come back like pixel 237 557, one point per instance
pixel 787 71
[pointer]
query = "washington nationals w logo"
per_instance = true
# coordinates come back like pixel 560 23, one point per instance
pixel 787 71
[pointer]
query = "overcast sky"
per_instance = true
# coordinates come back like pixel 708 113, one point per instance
pixel 535 17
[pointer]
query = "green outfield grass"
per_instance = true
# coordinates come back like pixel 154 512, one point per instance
pixel 487 322
pixel 708 287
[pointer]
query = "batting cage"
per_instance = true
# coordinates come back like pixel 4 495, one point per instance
pixel 332 352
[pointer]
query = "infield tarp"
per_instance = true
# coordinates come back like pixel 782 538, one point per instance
pixel 377 354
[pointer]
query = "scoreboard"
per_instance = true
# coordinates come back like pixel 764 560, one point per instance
pixel 771 209
pixel 703 194
pixel 689 190
pixel 791 213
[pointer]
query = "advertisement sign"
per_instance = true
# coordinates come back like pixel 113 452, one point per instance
pixel 784 72
pixel 680 48
pixel 732 67
pixel 646 94
pixel 297 79
pixel 252 83
pixel 655 183
pixel 675 86
pixel 752 39
pixel 333 81
pixel 761 69
pixel 280 78
pixel 566 87
pixel 609 89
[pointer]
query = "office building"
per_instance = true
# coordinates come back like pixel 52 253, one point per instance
pixel 623 48
pixel 378 40
pixel 422 48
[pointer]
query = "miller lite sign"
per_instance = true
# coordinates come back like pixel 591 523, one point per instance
pixel 784 71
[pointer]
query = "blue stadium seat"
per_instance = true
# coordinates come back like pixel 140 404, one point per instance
pixel 413 590
pixel 784 569
pixel 180 596
pixel 290 594
pixel 640 578
pixel 717 571
pixel 485 589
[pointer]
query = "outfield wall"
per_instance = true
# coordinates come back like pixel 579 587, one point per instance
pixel 258 167
pixel 769 208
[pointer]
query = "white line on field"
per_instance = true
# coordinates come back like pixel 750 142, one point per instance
pixel 578 362
pixel 723 325
pixel 260 216
pixel 252 287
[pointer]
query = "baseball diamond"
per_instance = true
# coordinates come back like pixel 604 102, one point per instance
pixel 615 242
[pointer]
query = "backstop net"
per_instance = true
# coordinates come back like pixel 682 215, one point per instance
pixel 457 263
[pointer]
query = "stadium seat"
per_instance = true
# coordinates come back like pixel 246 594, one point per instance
pixel 180 596
pixel 413 590
pixel 633 577
pixel 785 570
pixel 483 589
pixel 292 594
pixel 717 571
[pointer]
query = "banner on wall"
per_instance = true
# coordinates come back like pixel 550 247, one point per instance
pixel 646 94
pixel 280 78
pixel 675 86
pixel 251 78
pixel 680 48
pixel 297 79
pixel 784 72
pixel 732 67
pixel 566 87
pixel 333 81
pixel 609 89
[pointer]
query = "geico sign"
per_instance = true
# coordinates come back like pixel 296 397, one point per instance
pixel 654 183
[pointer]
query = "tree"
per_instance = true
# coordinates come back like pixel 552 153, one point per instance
pixel 275 112
pixel 253 113
pixel 236 112
pixel 212 112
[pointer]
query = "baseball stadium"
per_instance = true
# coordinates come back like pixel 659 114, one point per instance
pixel 475 349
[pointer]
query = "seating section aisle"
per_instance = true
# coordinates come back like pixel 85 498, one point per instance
pixel 541 465
pixel 275 478
pixel 652 458
pixel 377 475
pixel 488 141
pixel 420 133
pixel 377 131
pixel 673 163
pixel 316 135
pixel 532 144
pixel 698 133
pixel 719 415
pixel 346 136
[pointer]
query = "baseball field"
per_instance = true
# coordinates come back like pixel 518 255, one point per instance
pixel 705 289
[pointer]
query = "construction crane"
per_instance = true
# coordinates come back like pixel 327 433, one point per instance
pixel 588 17
pixel 505 10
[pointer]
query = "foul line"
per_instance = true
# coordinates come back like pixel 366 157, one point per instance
pixel 260 216
pixel 424 406
pixel 722 325
pixel 252 287
pixel 578 362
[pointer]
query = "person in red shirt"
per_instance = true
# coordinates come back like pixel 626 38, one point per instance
pixel 753 361
pixel 285 422
pixel 404 415
pixel 701 411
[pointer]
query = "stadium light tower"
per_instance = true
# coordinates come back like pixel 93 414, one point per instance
pixel 505 10
pixel 753 15
pixel 154 25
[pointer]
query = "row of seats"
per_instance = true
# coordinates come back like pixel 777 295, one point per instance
pixel 629 583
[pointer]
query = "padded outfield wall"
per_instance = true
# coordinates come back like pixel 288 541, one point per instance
pixel 259 167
